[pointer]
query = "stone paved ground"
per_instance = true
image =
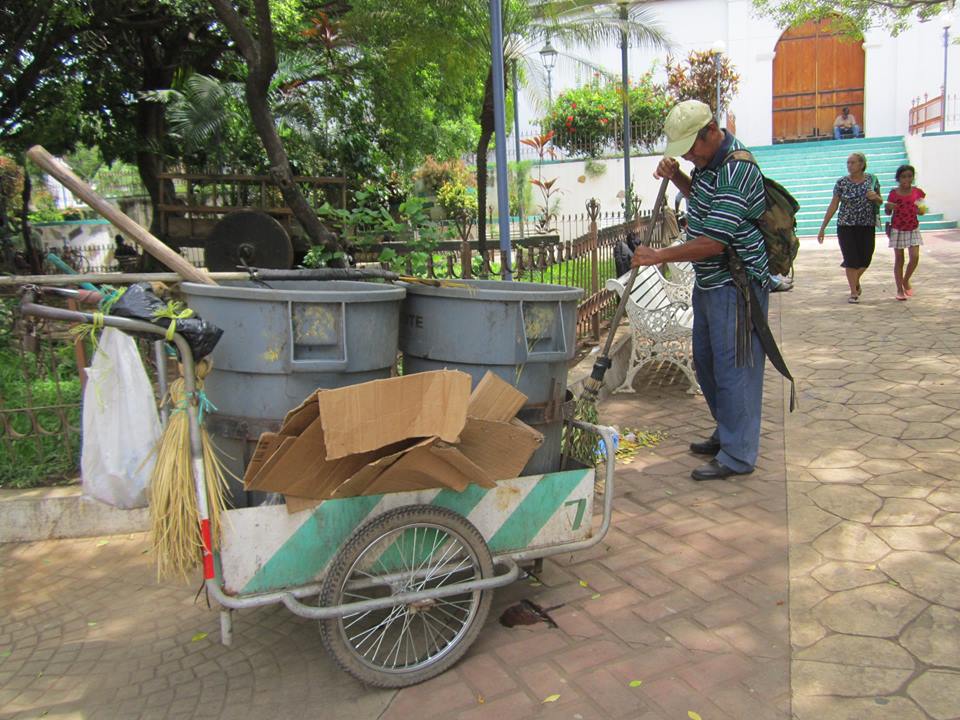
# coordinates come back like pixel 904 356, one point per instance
pixel 691 593
pixel 874 499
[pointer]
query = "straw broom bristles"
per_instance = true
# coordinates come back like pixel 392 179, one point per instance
pixel 174 516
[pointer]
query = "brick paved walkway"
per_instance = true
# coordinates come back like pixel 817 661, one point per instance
pixel 688 593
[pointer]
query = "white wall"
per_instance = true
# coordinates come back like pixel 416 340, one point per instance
pixel 605 188
pixel 936 159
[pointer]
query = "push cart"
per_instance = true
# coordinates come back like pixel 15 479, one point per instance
pixel 401 583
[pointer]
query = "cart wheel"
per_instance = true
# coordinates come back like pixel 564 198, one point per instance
pixel 418 547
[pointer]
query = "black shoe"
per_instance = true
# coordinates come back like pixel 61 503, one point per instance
pixel 715 470
pixel 706 447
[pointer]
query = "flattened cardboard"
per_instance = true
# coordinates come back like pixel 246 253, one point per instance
pixel 395 435
pixel 431 463
pixel 300 418
pixel 502 449
pixel 250 478
pixel 364 417
pixel 266 446
pixel 299 467
pixel 495 399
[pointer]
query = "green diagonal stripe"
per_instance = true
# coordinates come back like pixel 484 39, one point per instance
pixel 460 502
pixel 310 548
pixel 535 510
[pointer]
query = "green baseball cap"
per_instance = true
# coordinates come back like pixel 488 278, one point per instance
pixel 682 125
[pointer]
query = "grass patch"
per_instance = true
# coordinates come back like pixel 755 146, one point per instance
pixel 48 385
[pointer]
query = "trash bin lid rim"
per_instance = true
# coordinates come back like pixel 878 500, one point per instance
pixel 352 291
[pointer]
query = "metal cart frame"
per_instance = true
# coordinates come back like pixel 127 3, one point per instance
pixel 503 571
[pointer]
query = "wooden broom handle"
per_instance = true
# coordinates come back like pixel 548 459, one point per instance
pixel 148 242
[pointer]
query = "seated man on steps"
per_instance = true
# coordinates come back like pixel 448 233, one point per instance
pixel 845 125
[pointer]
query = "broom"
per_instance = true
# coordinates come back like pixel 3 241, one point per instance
pixel 174 515
pixel 581 445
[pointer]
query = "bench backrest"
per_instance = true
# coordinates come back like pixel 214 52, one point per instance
pixel 648 291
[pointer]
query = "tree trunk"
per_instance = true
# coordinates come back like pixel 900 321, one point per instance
pixel 486 132
pixel 256 91
pixel 150 133
pixel 261 59
pixel 33 256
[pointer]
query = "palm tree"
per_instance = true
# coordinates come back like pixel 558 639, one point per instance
pixel 575 23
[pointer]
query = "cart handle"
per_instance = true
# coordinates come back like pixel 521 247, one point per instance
pixel 509 572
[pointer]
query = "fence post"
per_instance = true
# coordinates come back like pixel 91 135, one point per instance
pixel 593 210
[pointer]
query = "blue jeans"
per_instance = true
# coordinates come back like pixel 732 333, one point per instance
pixel 733 394
pixel 837 134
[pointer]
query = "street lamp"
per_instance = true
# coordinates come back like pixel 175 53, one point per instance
pixel 718 48
pixel 946 45
pixel 549 57
pixel 628 209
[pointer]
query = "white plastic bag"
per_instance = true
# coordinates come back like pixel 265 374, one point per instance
pixel 120 424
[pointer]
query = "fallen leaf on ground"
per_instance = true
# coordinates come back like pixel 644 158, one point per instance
pixel 481 699
pixel 551 698
pixel 584 583
pixel 595 596
pixel 636 683
pixel 198 637
pixel 693 716
pixel 102 543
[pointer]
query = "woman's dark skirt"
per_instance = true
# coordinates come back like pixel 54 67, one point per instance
pixel 857 243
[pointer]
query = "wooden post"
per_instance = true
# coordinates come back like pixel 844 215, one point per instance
pixel 593 209
pixel 466 260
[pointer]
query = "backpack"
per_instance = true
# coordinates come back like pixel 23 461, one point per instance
pixel 778 224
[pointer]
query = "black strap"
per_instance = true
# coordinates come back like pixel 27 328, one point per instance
pixel 770 346
pixel 758 319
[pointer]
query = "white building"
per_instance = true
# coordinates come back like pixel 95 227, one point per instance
pixel 895 70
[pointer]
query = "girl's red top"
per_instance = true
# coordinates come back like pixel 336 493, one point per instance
pixel 905 213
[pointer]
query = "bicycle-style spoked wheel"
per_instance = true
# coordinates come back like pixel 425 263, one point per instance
pixel 406 550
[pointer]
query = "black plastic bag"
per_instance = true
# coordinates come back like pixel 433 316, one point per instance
pixel 623 253
pixel 139 302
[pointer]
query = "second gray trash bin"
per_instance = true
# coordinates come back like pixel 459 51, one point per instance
pixel 523 332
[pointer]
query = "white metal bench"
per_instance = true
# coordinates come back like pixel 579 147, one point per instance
pixel 661 324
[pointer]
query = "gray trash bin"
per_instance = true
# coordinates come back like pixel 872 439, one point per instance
pixel 281 343
pixel 523 332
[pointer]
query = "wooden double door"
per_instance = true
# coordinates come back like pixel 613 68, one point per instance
pixel 817 71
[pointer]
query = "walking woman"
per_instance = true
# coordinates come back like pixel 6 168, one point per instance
pixel 857 194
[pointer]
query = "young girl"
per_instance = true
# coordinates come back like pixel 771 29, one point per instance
pixel 905 203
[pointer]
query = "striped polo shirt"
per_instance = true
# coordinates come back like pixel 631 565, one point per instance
pixel 724 199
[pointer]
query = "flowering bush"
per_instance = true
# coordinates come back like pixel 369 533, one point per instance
pixel 587 120
pixel 695 78
pixel 583 120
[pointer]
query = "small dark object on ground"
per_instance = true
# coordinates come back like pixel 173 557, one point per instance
pixel 526 612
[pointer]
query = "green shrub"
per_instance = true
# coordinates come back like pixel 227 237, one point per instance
pixel 588 120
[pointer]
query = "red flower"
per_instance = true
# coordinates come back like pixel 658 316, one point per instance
pixel 603 121
pixel 569 118
pixel 573 105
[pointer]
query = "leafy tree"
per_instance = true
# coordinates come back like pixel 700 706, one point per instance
pixel 854 16
pixel 258 49
pixel 696 79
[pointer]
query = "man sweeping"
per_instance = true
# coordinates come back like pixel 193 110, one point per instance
pixel 725 196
